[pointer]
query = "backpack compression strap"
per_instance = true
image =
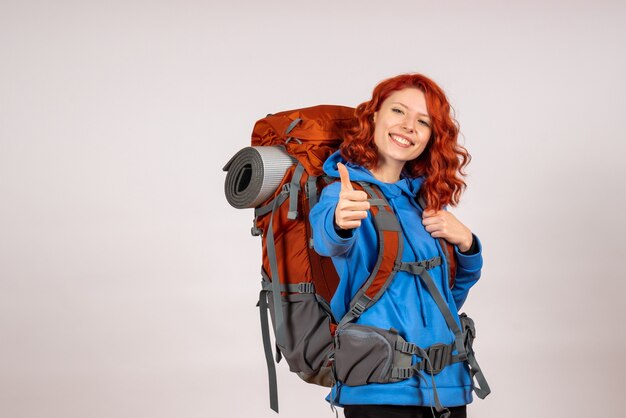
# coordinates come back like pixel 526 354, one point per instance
pixel 290 191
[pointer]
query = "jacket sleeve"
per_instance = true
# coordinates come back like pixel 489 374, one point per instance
pixel 326 240
pixel 467 273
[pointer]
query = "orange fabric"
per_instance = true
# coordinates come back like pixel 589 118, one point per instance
pixel 320 133
pixel 297 262
pixel 313 140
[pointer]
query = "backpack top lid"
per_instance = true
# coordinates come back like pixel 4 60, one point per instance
pixel 310 134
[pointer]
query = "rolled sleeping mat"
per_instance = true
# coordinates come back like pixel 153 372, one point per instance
pixel 253 175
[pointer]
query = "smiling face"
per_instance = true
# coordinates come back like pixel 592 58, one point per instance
pixel 402 129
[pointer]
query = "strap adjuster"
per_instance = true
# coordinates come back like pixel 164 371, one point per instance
pixel 358 309
pixel 439 356
pixel 430 263
pixel 255 231
pixel 306 287
pixel 406 347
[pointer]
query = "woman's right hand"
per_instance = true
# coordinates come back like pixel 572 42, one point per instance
pixel 352 205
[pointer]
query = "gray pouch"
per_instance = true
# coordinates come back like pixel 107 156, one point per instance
pixel 366 354
pixel 309 342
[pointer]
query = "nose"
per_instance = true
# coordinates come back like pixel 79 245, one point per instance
pixel 408 126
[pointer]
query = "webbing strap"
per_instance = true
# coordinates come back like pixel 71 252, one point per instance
pixel 294 188
pixel 483 389
pixel 442 410
pixel 292 125
pixel 311 191
pixel 267 348
pixel 440 356
pixel 415 268
pixel 390 247
pixel 425 364
pixel 271 254
pixel 264 210
pixel 302 287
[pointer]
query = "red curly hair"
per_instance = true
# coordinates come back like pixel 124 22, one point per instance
pixel 442 161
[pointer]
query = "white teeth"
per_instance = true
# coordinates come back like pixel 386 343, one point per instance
pixel 400 140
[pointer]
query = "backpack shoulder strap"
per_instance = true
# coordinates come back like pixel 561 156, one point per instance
pixel 390 247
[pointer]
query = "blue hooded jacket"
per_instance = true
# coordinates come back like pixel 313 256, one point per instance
pixel 407 305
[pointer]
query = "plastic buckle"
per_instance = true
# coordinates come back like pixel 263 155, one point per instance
pixel 306 288
pixel 256 232
pixel 358 309
pixel 406 347
pixel 428 264
pixel 438 355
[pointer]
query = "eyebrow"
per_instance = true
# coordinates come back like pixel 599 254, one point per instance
pixel 405 106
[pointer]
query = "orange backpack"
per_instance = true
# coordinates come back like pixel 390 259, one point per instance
pixel 294 276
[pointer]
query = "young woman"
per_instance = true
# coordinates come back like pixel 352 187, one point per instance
pixel 405 144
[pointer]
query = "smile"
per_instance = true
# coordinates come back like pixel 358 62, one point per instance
pixel 401 140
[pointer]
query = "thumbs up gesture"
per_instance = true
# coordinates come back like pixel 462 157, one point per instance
pixel 352 205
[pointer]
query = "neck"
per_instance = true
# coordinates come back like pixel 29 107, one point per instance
pixel 387 174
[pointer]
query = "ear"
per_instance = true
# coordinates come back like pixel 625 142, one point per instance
pixel 374 117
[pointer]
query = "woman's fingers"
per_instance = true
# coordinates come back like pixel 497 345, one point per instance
pixel 443 224
pixel 345 178
pixel 352 205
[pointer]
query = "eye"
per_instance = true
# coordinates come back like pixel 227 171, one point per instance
pixel 397 110
pixel 423 122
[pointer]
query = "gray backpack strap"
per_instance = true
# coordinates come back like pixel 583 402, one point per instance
pixel 267 348
pixel 311 191
pixel 462 339
pixel 420 270
pixel 271 255
pixel 294 189
pixel 384 220
pixel 289 191
pixel 483 389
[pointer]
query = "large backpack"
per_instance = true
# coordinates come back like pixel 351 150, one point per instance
pixel 281 176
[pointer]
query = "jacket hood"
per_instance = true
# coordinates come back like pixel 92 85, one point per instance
pixel 408 185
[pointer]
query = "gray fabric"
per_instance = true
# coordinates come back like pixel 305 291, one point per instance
pixel 323 378
pixel 376 202
pixel 254 174
pixel 306 348
pixel 364 354
pixel 387 221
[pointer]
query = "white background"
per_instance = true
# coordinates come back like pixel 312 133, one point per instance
pixel 128 284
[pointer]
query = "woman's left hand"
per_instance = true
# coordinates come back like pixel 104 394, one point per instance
pixel 443 224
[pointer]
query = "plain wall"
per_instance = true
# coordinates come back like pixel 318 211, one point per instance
pixel 128 284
